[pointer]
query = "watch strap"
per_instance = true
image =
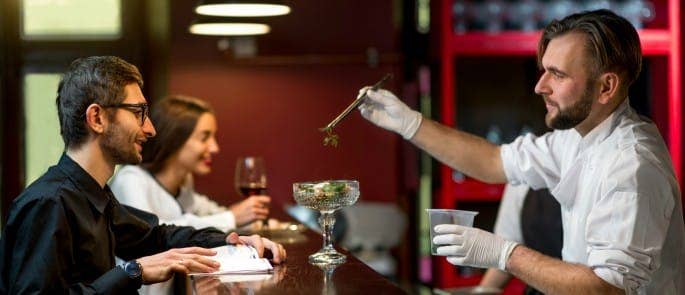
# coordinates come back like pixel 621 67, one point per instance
pixel 134 270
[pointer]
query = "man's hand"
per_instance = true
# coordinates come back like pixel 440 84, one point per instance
pixel 160 267
pixel 385 110
pixel 251 209
pixel 472 247
pixel 260 244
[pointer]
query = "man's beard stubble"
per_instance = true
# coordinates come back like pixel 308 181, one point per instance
pixel 573 115
pixel 118 147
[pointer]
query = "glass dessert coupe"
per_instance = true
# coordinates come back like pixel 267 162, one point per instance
pixel 326 197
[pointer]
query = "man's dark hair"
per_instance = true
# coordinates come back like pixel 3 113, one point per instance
pixel 96 79
pixel 612 43
pixel 175 118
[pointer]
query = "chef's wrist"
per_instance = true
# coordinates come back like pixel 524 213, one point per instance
pixel 507 251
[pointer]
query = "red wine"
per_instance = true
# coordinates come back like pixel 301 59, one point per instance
pixel 247 191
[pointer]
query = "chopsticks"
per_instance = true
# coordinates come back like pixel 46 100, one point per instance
pixel 355 103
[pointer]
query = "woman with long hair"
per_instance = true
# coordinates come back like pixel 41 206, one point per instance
pixel 163 183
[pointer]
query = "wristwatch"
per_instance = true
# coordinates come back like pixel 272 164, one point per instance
pixel 134 270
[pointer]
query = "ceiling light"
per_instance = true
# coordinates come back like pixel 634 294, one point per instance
pixel 228 27
pixel 242 8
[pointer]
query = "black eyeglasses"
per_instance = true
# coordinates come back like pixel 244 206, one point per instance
pixel 141 110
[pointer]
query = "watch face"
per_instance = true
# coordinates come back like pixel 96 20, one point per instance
pixel 132 268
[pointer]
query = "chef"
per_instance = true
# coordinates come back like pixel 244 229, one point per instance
pixel 608 167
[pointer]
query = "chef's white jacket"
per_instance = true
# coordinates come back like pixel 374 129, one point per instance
pixel 508 222
pixel 620 201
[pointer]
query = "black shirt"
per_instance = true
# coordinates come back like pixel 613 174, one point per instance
pixel 64 231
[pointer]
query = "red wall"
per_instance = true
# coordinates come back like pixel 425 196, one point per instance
pixel 275 111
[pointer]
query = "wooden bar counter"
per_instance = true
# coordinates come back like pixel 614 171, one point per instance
pixel 298 276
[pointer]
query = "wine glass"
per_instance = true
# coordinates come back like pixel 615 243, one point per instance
pixel 558 9
pixel 461 14
pixel 637 12
pixel 525 15
pixel 326 197
pixel 491 14
pixel 250 177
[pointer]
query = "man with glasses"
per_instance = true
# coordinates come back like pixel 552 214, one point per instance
pixel 141 110
pixel 64 231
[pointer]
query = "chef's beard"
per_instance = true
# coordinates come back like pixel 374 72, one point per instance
pixel 571 116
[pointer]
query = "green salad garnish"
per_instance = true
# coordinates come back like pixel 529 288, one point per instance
pixel 333 188
pixel 327 189
pixel 331 138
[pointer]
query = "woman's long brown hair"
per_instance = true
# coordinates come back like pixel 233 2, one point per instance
pixel 174 118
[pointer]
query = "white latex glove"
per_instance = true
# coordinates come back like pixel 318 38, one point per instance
pixel 472 246
pixel 485 290
pixel 385 110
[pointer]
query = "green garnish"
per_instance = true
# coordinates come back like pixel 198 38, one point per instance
pixel 331 138
pixel 328 189
pixel 333 188
pixel 308 188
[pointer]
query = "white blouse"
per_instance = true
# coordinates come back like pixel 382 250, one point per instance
pixel 135 187
pixel 620 201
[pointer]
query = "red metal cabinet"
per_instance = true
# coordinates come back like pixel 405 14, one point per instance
pixel 660 39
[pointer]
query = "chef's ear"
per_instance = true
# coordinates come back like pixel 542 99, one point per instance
pixel 608 86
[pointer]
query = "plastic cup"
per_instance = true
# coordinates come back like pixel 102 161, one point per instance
pixel 448 216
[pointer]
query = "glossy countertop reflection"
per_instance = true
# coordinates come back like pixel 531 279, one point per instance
pixel 298 276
